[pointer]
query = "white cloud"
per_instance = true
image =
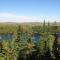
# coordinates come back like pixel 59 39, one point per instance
pixel 9 17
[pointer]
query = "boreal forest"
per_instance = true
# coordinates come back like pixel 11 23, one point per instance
pixel 39 41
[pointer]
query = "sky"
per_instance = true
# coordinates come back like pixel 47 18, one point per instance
pixel 29 10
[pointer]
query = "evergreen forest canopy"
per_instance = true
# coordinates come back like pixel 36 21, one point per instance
pixel 35 41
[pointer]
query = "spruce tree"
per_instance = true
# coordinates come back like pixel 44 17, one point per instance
pixel 19 31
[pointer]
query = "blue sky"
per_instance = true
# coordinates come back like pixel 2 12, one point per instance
pixel 29 10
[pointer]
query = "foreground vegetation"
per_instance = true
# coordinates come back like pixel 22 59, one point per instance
pixel 24 47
